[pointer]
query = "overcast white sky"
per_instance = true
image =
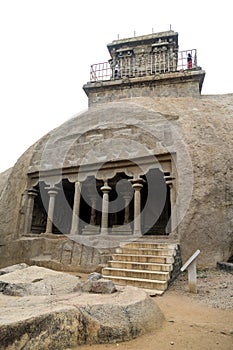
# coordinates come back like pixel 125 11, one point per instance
pixel 47 47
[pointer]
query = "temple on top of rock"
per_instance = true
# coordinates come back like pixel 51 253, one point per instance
pixel 148 65
pixel 136 183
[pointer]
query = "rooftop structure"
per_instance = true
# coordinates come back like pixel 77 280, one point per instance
pixel 145 65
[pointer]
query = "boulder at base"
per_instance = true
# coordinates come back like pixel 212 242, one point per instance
pixel 42 322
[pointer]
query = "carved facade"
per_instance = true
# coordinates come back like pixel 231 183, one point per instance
pixel 144 55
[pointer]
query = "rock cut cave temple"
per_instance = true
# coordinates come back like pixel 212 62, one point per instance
pixel 141 66
pixel 147 162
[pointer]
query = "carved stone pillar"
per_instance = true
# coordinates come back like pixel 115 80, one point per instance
pixel 31 194
pixel 169 182
pixel 76 209
pixel 52 192
pixel 127 199
pixel 137 185
pixel 93 200
pixel 104 220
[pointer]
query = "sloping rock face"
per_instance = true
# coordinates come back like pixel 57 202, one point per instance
pixel 197 131
pixel 17 181
pixel 57 322
pixel 4 176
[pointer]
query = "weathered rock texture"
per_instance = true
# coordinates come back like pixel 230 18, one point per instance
pixel 176 85
pixel 58 253
pixel 202 125
pixel 102 286
pixel 4 179
pixel 11 197
pixel 13 268
pixel 57 322
pixel 36 280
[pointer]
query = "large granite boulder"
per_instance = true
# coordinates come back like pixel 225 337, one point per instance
pixel 57 322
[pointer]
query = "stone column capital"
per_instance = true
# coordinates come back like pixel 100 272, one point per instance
pixel 105 189
pixel 137 186
pixel 32 192
pixel 52 191
pixel 137 181
pixel 169 180
pixel 78 183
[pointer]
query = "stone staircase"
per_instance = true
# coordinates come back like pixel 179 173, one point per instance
pixel 147 265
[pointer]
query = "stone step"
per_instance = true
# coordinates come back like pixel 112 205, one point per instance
pixel 145 251
pixel 143 274
pixel 140 265
pixel 139 282
pixel 143 258
pixel 150 245
pixel 145 264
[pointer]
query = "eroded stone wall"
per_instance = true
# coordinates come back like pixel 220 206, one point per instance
pixel 141 89
pixel 58 253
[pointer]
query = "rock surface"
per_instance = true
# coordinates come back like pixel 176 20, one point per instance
pixel 102 286
pixel 56 322
pixel 12 268
pixel 35 280
pixel 3 179
pixel 95 283
pixel 94 276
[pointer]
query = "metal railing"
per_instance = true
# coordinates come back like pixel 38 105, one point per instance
pixel 152 65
